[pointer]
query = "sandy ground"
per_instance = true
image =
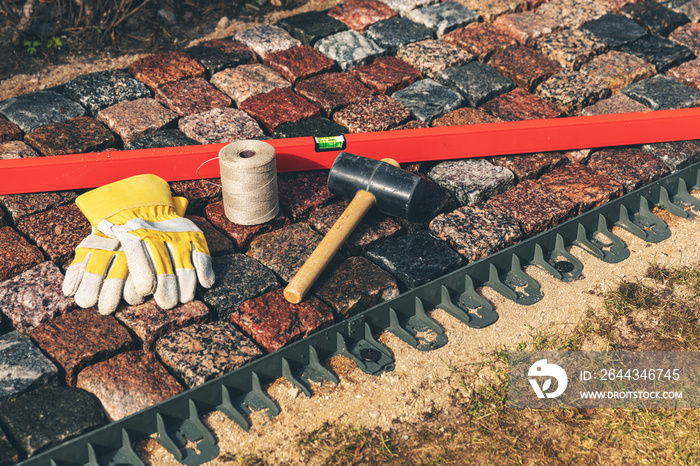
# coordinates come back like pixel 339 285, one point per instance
pixel 425 382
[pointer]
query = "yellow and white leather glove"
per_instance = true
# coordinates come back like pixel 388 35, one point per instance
pixel 99 274
pixel 166 253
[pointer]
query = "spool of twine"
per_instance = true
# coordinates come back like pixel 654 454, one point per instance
pixel 249 182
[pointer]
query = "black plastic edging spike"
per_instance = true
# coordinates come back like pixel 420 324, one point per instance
pixel 369 337
pixel 494 282
pixel 483 315
pixel 195 419
pixel 193 430
pixel 127 452
pixel 523 288
pixel 526 288
pixel 408 329
pixel 625 222
pixel 666 202
pixel 425 321
pixel 644 224
pixel 612 251
pixel 539 260
pixel 287 373
pixel 259 393
pixel 92 456
pixel 558 262
pixel 517 269
pixel 684 196
pixel 231 411
pixel 369 355
pixel 452 308
pixel 616 250
pixel 316 366
pixel 165 440
pixel 397 329
pixel 561 251
pixel 583 242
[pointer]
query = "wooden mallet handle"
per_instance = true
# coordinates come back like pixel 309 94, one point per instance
pixel 330 244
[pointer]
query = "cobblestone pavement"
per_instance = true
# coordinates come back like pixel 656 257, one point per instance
pixel 362 66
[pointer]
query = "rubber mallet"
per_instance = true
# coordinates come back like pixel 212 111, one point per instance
pixel 368 182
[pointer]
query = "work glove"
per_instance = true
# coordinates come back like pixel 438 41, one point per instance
pixel 166 253
pixel 99 274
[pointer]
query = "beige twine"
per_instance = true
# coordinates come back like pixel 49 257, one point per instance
pixel 249 182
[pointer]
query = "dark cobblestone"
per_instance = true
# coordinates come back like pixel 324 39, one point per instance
pixel 31 111
pixel 662 92
pixel 311 26
pixel 392 34
pixel 654 17
pixel 415 259
pixel 238 278
pixel 443 17
pixel 23 367
pixel 218 54
pixel 615 30
pixel 428 100
pixel 49 416
pixel 677 154
pixel 103 89
pixel 659 51
pixel 477 82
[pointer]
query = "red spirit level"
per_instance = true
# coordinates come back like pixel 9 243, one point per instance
pixel 77 171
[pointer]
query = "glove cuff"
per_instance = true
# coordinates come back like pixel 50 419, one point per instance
pixel 130 193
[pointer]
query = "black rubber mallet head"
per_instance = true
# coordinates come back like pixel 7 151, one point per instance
pixel 367 182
